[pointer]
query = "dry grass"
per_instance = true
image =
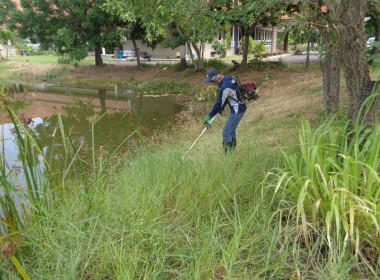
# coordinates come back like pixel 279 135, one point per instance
pixel 29 69
pixel 273 120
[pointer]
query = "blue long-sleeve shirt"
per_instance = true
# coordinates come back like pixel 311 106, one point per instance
pixel 227 93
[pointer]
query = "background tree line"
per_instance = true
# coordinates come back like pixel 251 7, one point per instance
pixel 76 26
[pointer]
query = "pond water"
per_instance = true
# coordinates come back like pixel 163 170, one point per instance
pixel 117 112
pixel 38 106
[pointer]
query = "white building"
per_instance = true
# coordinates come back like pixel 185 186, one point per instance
pixel 266 34
pixel 8 48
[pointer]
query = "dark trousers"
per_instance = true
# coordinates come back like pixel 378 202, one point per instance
pixel 229 130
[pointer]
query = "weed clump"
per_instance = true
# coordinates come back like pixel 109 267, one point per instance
pixel 163 87
pixel 216 64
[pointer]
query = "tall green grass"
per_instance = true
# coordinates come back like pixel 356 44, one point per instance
pixel 7 78
pixel 159 217
pixel 47 180
pixel 156 216
pixel 332 188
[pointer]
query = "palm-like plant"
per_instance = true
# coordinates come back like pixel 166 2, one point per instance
pixel 333 184
pixel 5 36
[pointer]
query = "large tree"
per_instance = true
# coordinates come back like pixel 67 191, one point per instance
pixel 247 15
pixel 6 7
pixel 74 27
pixel 132 19
pixel 197 25
pixel 341 24
pixel 191 20
pixel 350 28
pixel 324 20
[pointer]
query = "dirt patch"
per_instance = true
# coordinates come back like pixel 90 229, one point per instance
pixel 281 90
pixel 117 73
pixel 30 69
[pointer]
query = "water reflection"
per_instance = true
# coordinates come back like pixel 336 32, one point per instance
pixel 126 112
pixel 38 106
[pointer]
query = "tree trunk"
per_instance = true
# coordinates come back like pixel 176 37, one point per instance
pixel 273 47
pixel 98 56
pixel 102 99
pixel 286 41
pixel 199 55
pixel 183 64
pixel 330 64
pixel 137 52
pixel 356 73
pixel 191 55
pixel 308 52
pixel 7 50
pixel 245 51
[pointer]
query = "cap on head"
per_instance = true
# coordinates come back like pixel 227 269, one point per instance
pixel 211 75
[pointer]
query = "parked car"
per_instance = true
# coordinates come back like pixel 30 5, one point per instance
pixel 268 42
pixel 370 41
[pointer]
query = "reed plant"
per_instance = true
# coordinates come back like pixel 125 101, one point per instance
pixel 34 195
pixel 45 180
pixel 331 186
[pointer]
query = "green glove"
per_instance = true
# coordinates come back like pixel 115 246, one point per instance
pixel 207 120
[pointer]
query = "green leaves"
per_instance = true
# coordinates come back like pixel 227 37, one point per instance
pixel 73 26
pixel 6 35
pixel 6 6
pixel 374 58
pixel 333 182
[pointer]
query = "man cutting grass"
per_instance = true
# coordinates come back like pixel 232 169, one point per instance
pixel 227 95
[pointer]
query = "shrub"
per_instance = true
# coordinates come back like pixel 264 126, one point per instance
pixel 163 87
pixel 208 94
pixel 250 44
pixel 258 48
pixel 332 185
pixel 257 62
pixel 215 63
pixel 220 48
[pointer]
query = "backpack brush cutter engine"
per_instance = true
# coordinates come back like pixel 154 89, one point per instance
pixel 246 91
pixel 250 91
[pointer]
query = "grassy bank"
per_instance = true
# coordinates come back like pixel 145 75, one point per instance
pixel 210 216
pixel 159 217
pixel 43 59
